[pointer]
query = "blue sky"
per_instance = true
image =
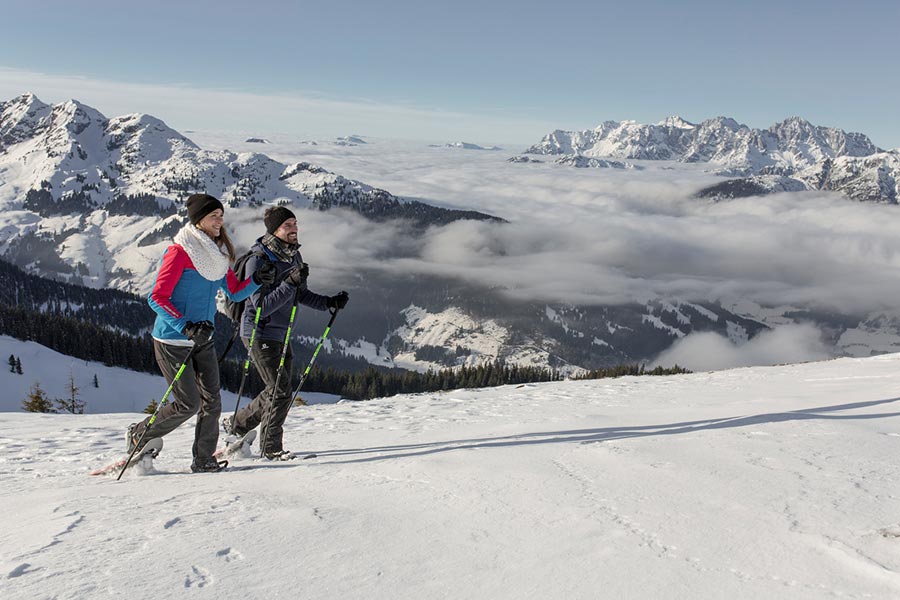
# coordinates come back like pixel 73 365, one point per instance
pixel 480 71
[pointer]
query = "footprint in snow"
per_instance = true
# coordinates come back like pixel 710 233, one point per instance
pixel 229 554
pixel 198 577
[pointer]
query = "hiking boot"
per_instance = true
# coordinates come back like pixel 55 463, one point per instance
pixel 132 436
pixel 280 455
pixel 207 465
pixel 228 423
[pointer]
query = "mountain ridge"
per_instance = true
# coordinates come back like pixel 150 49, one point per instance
pixel 66 168
pixel 813 157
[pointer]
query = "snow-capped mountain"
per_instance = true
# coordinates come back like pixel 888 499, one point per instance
pixel 785 147
pixel 350 140
pixel 466 146
pixel 106 188
pixel 70 150
pixel 812 157
pixel 587 162
pixel 93 201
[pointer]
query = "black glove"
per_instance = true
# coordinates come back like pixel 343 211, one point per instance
pixel 297 276
pixel 198 332
pixel 265 273
pixel 339 301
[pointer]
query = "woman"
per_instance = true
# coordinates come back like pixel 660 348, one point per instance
pixel 191 272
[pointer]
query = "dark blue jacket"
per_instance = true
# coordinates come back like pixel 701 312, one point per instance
pixel 277 299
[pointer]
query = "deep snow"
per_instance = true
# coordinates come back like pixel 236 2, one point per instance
pixel 765 482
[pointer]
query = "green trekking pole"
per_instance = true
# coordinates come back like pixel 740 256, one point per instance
pixel 237 404
pixel 162 403
pixel 312 361
pixel 284 349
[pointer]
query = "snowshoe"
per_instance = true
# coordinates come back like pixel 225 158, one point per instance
pixel 208 465
pixel 237 445
pixel 143 457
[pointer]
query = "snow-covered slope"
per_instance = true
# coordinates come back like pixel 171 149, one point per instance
pixel 810 156
pixel 454 338
pixel 117 390
pixel 777 482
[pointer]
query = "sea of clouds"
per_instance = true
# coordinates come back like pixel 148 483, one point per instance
pixel 605 236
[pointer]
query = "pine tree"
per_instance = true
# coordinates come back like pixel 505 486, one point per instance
pixel 151 408
pixel 18 366
pixel 96 382
pixel 12 363
pixel 72 404
pixel 37 401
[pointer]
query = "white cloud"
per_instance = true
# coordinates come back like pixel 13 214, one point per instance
pixel 604 236
pixel 581 236
pixel 710 351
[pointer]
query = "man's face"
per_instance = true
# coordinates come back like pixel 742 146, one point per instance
pixel 287 231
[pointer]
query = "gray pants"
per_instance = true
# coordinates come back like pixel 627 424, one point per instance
pixel 266 355
pixel 195 393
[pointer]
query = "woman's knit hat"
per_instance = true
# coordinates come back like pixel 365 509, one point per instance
pixel 200 205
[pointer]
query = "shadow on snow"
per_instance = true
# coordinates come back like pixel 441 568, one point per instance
pixel 603 434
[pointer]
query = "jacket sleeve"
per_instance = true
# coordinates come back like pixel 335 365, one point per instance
pixel 236 289
pixel 172 267
pixel 313 300
pixel 273 297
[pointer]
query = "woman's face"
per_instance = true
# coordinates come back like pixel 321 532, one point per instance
pixel 212 223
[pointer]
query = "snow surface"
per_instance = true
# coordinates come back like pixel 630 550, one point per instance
pixel 765 482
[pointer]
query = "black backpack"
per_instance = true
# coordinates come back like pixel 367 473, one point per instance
pixel 234 310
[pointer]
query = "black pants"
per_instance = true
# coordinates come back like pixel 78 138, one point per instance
pixel 195 393
pixel 270 408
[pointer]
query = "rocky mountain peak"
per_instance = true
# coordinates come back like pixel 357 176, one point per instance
pixel 792 149
pixel 676 122
pixel 20 118
pixel 75 116
pixel 726 123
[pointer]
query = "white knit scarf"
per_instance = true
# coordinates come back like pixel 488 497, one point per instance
pixel 203 251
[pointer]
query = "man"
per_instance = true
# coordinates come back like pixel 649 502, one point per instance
pixel 270 408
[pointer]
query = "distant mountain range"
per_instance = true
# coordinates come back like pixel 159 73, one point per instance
pixel 93 201
pixel 103 177
pixel 793 155
pixel 69 156
pixel 465 146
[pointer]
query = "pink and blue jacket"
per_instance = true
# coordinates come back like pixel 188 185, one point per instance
pixel 180 294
